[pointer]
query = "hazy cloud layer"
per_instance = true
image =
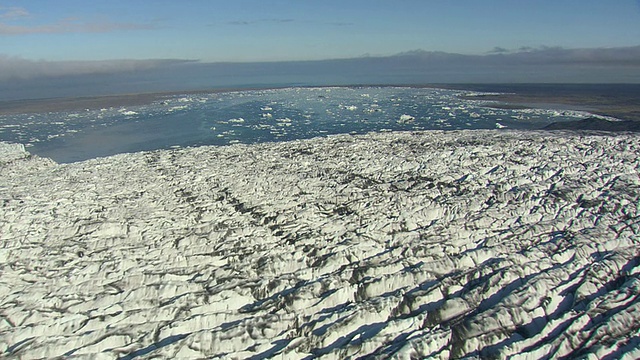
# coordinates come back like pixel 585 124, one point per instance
pixel 338 23
pixel 18 68
pixel 71 26
pixel 23 79
pixel 498 50
pixel 284 21
pixel 10 13
pixel 13 68
pixel 543 55
pixel 600 56
pixel 259 21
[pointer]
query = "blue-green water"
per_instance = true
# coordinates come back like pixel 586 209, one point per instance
pixel 258 116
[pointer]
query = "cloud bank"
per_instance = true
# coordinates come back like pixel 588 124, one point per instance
pixel 8 16
pixel 598 56
pixel 544 55
pixel 15 68
pixel 258 21
pixel 18 68
pixel 284 21
pixel 22 79
pixel 10 13
pixel 72 26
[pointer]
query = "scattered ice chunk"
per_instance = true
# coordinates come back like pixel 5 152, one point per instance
pixel 404 119
pixel 178 108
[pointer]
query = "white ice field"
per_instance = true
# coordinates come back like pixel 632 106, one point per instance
pixel 404 245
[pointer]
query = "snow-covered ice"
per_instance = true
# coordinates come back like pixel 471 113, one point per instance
pixel 476 244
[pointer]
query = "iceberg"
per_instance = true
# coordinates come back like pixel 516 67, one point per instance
pixel 423 244
pixel 404 118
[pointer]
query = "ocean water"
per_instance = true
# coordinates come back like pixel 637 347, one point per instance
pixel 253 116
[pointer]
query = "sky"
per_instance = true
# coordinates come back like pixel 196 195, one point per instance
pixel 264 30
pixel 53 38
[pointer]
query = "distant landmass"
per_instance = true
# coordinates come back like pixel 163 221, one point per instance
pixel 597 124
pixel 613 100
pixel 28 79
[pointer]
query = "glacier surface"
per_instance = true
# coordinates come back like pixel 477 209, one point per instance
pixel 460 244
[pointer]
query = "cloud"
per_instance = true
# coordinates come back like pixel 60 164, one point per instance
pixel 9 26
pixel 21 78
pixel 592 56
pixel 10 13
pixel 13 68
pixel 498 50
pixel 284 21
pixel 543 55
pixel 72 26
pixel 258 21
pixel 340 23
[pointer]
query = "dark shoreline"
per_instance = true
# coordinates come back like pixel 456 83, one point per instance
pixel 39 106
pixel 620 101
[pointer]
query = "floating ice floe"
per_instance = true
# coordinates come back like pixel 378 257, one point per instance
pixel 127 112
pixel 349 107
pixel 406 119
pixel 178 108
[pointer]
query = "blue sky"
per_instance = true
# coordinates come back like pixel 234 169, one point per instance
pixel 54 48
pixel 264 30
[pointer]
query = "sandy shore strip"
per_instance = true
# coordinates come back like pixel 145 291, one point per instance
pixel 460 244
